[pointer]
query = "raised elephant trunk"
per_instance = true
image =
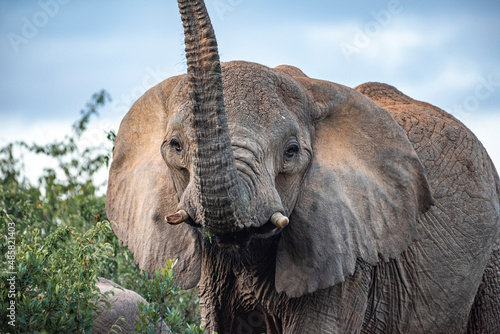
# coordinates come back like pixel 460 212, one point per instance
pixel 214 165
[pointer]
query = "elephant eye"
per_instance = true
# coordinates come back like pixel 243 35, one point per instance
pixel 176 145
pixel 291 151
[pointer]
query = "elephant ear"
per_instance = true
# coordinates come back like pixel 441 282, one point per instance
pixel 361 197
pixel 140 191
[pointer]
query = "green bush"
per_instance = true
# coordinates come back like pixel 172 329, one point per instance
pixel 55 283
pixel 163 298
pixel 57 240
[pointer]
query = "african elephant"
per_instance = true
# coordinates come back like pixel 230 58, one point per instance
pixel 298 205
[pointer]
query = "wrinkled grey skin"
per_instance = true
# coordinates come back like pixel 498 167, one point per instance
pixel 123 303
pixel 393 204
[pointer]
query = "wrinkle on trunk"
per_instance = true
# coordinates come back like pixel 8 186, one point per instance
pixel 214 164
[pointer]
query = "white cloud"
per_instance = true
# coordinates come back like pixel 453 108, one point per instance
pixel 389 46
pixel 42 132
pixel 39 133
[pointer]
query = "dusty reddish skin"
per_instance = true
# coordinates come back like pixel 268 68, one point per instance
pixel 393 207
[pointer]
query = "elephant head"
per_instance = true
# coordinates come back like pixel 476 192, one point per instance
pixel 244 151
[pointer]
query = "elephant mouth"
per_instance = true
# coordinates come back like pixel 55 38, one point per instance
pixel 240 239
pixel 243 237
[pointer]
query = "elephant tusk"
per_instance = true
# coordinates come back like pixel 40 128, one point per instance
pixel 279 220
pixel 177 218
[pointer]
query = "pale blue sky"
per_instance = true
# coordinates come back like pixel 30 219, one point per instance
pixel 54 54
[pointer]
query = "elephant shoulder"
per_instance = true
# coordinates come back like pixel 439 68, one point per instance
pixel 451 154
pixel 428 127
pixel 382 93
pixel 401 105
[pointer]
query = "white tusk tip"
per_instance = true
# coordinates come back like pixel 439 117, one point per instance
pixel 177 218
pixel 279 220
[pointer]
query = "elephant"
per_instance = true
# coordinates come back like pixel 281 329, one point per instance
pixel 122 303
pixel 298 205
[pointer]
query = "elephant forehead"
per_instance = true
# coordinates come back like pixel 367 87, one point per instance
pixel 259 93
